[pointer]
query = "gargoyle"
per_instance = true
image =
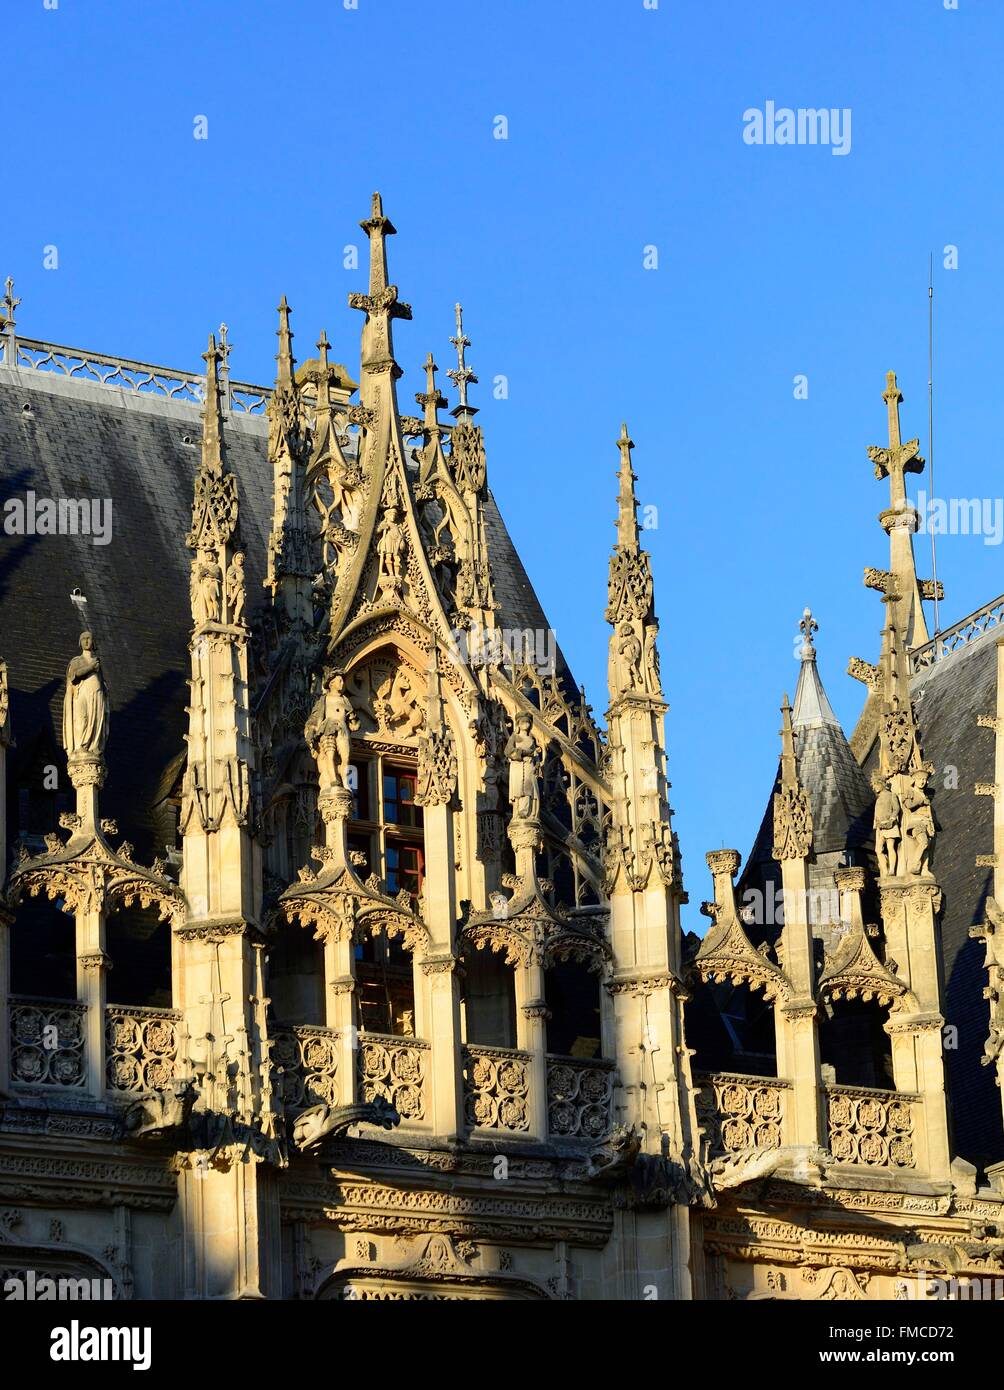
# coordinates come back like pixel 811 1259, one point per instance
pixel 160 1112
pixel 315 1124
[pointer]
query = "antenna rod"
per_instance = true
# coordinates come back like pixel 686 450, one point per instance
pixel 930 426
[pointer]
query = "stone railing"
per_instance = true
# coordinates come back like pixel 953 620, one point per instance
pixel 138 378
pixel 497 1088
pixel 47 1042
pixel 396 1069
pixel 308 1059
pixel 740 1112
pixel 871 1127
pixel 578 1097
pixel 141 1047
pixel 985 619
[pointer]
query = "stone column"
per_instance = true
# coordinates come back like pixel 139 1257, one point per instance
pixel 335 805
pixel 87 774
pixel 909 914
pixel 438 974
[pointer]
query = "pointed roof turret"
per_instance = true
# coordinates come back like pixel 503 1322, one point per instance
pixel 811 704
pixel 431 399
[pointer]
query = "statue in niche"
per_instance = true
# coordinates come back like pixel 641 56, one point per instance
pixel 205 589
pixel 653 677
pixel 390 553
pixel 625 658
pixel 85 704
pixel 397 707
pixel 887 826
pixel 524 758
pixel 327 733
pixel 236 592
pixel 918 824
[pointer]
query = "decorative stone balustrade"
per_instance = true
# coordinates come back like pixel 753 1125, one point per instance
pixel 396 1069
pixel 47 1042
pixel 871 1127
pixel 740 1112
pixel 141 1047
pixel 497 1088
pixel 578 1097
pixel 308 1058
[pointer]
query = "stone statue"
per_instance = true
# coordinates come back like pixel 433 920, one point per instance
pixel 887 827
pixel 390 552
pixel 653 677
pixel 626 654
pixel 85 704
pixel 918 825
pixel 235 590
pixel 327 733
pixel 524 770
pixel 205 589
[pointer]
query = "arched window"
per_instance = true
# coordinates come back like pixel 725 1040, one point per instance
pixel 572 995
pixel 854 1045
pixel 489 1000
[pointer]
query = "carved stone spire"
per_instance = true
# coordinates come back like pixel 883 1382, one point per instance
pixel 289 571
pixel 431 399
pixel 381 305
pixel 900 521
pixel 462 375
pixel 216 587
pixel 792 814
pixel 627 505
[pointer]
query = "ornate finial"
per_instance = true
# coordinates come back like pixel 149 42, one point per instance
pixel 8 324
pixel 377 228
pixel 807 627
pixel 893 398
pixel 431 399
pixel 627 505
pixel 462 376
pixel 789 772
pixel 792 812
pixel 322 348
pixel 212 413
pixel 284 357
pixel 225 346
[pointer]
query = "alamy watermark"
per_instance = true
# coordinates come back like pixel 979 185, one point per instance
pixel 507 647
pixel 804 125
pixel 32 515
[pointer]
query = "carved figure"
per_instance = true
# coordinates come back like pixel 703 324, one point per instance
pixel 917 825
pixel 887 827
pixel 390 553
pixel 327 733
pixel 206 585
pixel 235 589
pixel 317 1122
pixel 85 704
pixel 653 677
pixel 524 770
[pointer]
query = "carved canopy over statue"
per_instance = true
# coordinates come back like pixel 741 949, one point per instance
pixel 85 704
pixel 524 770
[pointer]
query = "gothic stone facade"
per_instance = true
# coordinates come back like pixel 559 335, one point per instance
pixel 381 991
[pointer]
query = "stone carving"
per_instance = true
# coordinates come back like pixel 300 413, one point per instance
pixel 394 1068
pixel 205 589
pixel 390 556
pixel 33 1061
pixel 497 1088
pixel 161 1112
pixel 578 1098
pixel 904 823
pixel 739 1113
pixel 236 591
pixel 319 1121
pixel 328 733
pixel 308 1057
pixel 85 704
pixel 888 832
pixel 917 824
pixel 141 1046
pixel 524 755
pixel 874 1128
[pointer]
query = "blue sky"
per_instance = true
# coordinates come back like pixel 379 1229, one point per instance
pixel 624 131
